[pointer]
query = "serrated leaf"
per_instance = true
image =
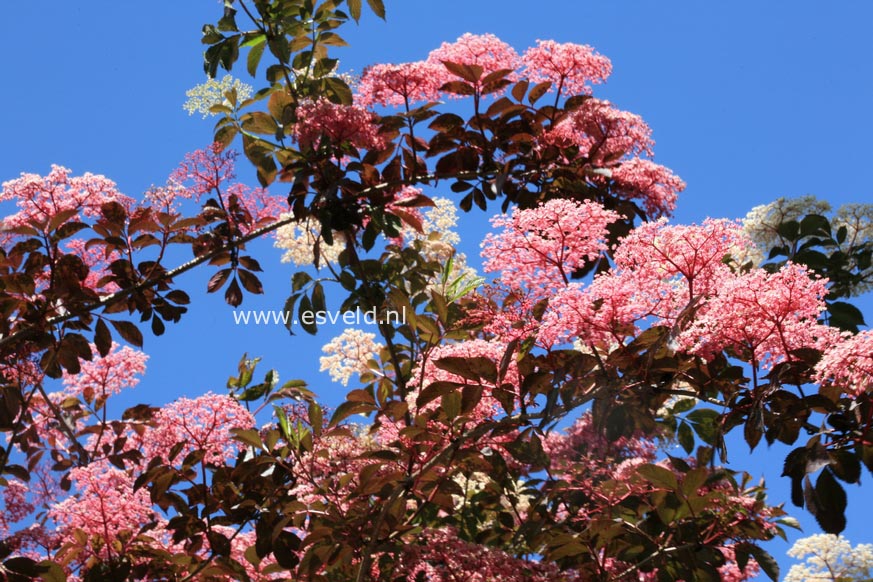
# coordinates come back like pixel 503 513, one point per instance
pixel 250 282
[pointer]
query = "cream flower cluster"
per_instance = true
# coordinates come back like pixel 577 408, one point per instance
pixel 298 241
pixel 762 222
pixel 201 98
pixel 858 220
pixel 348 354
pixel 830 558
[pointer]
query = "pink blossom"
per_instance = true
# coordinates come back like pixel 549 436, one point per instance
pixel 397 85
pixel 583 442
pixel 848 363
pixel 602 133
pixel 203 423
pixel 479 50
pixel 655 185
pixel 583 458
pixel 40 198
pixel 331 471
pixel 104 506
pixel 439 555
pixel 15 503
pixel 506 313
pixel 571 68
pixel 259 206
pixel 338 124
pixel 202 172
pixel 767 315
pixel 731 572
pixel 23 371
pixel 605 312
pixel 543 246
pixel 167 198
pixel 109 374
pixel 687 255
pixel 210 171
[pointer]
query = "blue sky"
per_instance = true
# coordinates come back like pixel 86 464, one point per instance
pixel 748 101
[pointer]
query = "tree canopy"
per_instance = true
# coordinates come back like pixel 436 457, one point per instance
pixel 513 426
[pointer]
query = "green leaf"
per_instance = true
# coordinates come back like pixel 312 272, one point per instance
pixel 226 134
pixel 703 420
pixel 347 409
pixel 845 316
pixel 50 572
pixel 259 122
pixel 254 57
pixel 451 404
pixel 435 390
pixel 248 437
pixel 475 368
pixel 538 91
pixel 659 476
pixel 685 437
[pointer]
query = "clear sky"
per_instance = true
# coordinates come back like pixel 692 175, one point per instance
pixel 748 101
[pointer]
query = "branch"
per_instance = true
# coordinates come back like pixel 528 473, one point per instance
pixel 148 283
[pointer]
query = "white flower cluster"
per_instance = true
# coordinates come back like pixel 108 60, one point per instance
pixel 348 354
pixel 761 225
pixel 762 222
pixel 830 558
pixel 858 220
pixel 203 97
pixel 298 241
pixel 439 241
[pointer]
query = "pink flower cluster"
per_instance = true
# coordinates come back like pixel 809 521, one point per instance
pixel 671 275
pixel 42 197
pixel 583 458
pixel 16 506
pixel 543 246
pixel 203 423
pixel 104 506
pixel 397 85
pixel 571 68
pixel 848 363
pixel 602 133
pixel 655 185
pixel 109 374
pixel 210 171
pixel 480 50
pixel 488 406
pixel 203 172
pixel 439 555
pixel 98 264
pixel 338 124
pixel 767 315
pixel 658 254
